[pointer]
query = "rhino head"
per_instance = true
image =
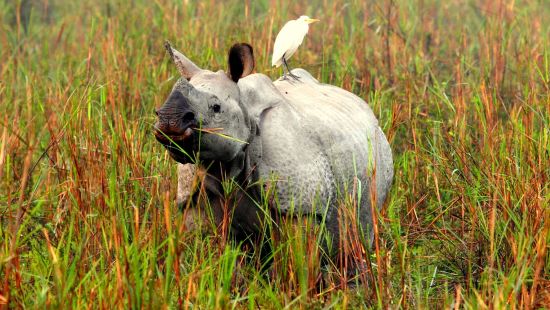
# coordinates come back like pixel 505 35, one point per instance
pixel 203 113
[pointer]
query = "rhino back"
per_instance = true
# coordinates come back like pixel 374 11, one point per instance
pixel 342 123
pixel 315 139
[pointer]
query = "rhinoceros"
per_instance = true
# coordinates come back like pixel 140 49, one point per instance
pixel 306 142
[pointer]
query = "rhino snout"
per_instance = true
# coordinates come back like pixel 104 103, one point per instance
pixel 165 136
pixel 178 140
pixel 175 119
pixel 175 128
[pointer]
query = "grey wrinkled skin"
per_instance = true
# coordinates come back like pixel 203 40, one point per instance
pixel 312 143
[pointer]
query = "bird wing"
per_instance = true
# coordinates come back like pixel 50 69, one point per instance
pixel 284 42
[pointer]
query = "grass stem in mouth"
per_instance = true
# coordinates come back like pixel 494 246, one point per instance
pixel 215 131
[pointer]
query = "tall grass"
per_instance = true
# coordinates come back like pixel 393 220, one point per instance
pixel 87 213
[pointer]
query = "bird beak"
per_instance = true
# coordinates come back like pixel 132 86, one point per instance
pixel 311 20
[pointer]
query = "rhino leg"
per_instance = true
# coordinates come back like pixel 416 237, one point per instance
pixel 186 180
pixel 200 212
pixel 201 220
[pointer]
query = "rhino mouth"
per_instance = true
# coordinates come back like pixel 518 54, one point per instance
pixel 180 146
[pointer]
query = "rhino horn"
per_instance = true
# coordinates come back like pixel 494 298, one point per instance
pixel 185 66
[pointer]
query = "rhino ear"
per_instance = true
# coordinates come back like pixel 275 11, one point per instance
pixel 241 61
pixel 185 66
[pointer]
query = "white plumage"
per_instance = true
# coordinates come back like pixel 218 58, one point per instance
pixel 289 39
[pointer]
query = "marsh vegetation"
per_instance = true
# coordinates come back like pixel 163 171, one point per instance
pixel 87 213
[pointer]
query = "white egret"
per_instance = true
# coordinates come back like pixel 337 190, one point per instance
pixel 288 40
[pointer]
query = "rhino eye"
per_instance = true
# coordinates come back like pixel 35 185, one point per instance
pixel 216 108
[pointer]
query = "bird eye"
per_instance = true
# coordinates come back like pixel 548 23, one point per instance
pixel 216 108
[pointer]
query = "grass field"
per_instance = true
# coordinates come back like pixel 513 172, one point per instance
pixel 87 214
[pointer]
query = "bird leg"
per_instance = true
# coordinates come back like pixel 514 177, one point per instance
pixel 285 71
pixel 285 64
pixel 284 74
